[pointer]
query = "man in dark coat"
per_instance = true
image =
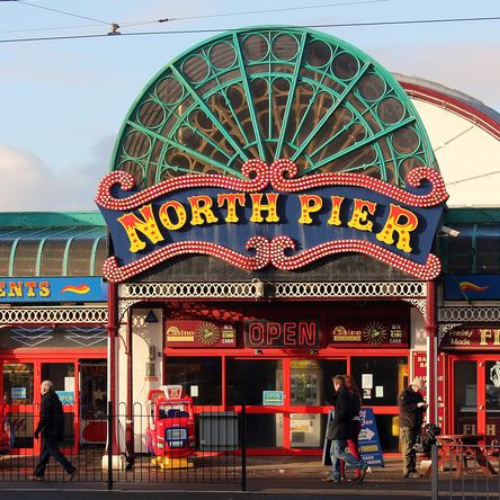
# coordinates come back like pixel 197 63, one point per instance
pixel 411 414
pixel 51 427
pixel 339 432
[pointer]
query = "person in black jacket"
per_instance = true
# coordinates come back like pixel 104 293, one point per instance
pixel 339 431
pixel 51 427
pixel 411 414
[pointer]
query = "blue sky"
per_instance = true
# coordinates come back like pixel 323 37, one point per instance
pixel 62 102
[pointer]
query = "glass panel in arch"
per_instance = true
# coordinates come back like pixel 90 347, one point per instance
pixel 79 257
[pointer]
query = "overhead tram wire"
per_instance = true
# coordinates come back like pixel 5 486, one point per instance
pixel 219 30
pixel 129 24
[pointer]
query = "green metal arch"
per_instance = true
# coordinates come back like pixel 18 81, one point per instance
pixel 270 92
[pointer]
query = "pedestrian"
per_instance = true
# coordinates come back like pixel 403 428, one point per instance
pixel 339 431
pixel 411 414
pixel 51 427
pixel 352 442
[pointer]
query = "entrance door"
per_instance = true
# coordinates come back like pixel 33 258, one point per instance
pixel 476 396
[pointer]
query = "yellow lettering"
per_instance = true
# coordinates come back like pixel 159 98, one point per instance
pixel 400 221
pixel 362 209
pixel 232 200
pixel 309 203
pixel 148 227
pixel 270 207
pixel 179 211
pixel 2 289
pixel 44 288
pixel 334 219
pixel 15 289
pixel 201 205
pixel 30 285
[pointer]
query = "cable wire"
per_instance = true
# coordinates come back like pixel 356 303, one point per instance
pixel 217 30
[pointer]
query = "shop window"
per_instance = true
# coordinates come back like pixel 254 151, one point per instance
pixel 247 379
pixel 18 383
pixel 459 251
pixel 52 258
pixel 5 247
pixel 380 379
pixel 487 248
pixel 465 391
pixel 100 256
pixel 264 430
pixel 388 432
pixel 25 258
pixel 205 373
pixel 79 257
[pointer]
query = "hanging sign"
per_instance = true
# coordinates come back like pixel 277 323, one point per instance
pixel 282 334
pixel 273 398
pixel 473 339
pixel 472 287
pixel 26 290
pixel 185 333
pixel 271 217
pixel 369 333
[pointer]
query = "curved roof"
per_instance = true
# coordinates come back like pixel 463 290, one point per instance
pixel 270 93
pixel 52 244
pixel 465 136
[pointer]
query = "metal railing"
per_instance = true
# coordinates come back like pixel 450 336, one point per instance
pixel 465 471
pixel 212 450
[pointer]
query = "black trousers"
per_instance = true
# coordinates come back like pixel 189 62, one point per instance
pixel 50 448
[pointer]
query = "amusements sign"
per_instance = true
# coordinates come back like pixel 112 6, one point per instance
pixel 282 334
pixel 472 287
pixel 272 217
pixel 371 333
pixel 472 339
pixel 184 333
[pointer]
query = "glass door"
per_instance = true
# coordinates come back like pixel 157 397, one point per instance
pixel 476 396
pixel 310 391
pixel 18 394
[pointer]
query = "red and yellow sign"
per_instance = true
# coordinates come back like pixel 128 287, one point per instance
pixel 371 333
pixel 185 333
pixel 477 339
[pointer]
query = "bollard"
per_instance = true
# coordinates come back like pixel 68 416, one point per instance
pixel 434 471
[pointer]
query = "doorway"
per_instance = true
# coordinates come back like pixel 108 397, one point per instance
pixel 475 392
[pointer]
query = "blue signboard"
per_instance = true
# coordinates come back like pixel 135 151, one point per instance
pixel 368 440
pixel 273 398
pixel 472 287
pixel 32 290
pixel 66 397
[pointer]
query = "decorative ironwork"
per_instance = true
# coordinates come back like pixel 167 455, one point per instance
pixel 444 328
pixel 123 308
pixel 470 314
pixel 53 315
pixel 420 304
pixel 259 289
pixel 270 93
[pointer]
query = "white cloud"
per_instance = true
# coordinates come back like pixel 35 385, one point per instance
pixel 28 184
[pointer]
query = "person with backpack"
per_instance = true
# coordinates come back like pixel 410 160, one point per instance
pixel 51 428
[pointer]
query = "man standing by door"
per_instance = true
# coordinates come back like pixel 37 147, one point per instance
pixel 411 414
pixel 51 427
pixel 339 431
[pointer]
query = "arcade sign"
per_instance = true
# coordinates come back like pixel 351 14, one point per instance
pixel 200 334
pixel 477 339
pixel 271 217
pixel 369 334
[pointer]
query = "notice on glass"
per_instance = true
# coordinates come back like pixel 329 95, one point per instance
pixel 367 381
pixel 379 391
pixel 193 391
pixel 69 384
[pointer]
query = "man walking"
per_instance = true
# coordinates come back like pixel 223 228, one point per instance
pixel 411 414
pixel 339 431
pixel 51 428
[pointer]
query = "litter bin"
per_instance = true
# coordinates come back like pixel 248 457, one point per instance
pixel 219 431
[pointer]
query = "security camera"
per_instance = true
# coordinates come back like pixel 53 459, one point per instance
pixel 450 231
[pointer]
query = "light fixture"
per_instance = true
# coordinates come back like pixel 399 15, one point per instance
pixel 450 231
pixel 258 287
pixel 257 351
pixel 313 351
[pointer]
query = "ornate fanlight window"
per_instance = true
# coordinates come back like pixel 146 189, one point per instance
pixel 270 93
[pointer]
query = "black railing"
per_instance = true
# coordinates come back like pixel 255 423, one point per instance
pixel 130 446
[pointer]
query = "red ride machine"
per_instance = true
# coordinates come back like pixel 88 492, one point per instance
pixel 170 435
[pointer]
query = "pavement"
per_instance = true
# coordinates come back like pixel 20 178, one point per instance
pixel 267 477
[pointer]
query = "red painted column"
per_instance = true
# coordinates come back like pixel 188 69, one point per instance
pixel 112 361
pixel 432 375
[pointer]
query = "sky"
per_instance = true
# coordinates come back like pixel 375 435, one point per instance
pixel 62 102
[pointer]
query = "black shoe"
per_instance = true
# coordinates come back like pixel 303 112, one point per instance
pixel 73 474
pixel 38 478
pixel 362 473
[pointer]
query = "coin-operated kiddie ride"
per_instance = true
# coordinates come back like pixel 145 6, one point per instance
pixel 170 435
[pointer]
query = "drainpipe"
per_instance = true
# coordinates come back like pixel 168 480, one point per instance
pixel 431 328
